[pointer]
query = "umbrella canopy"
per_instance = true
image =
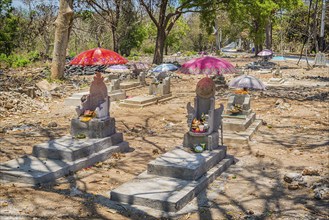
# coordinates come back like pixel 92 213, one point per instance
pixel 165 67
pixel 118 69
pixel 247 81
pixel 207 65
pixel 265 53
pixel 98 56
pixel 140 66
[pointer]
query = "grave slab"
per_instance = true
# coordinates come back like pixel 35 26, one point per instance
pixel 166 193
pixel 75 99
pixel 69 149
pixel 183 164
pixel 129 85
pixel 32 170
pixel 144 100
pixel 236 123
pixel 232 138
pixel 276 81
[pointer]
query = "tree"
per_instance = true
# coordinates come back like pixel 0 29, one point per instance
pixel 111 12
pixel 257 14
pixel 62 32
pixel 165 13
pixel 9 27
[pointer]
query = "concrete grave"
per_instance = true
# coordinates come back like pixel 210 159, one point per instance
pixel 114 92
pixel 132 84
pixel 158 92
pixel 94 138
pixel 276 76
pixel 204 120
pixel 176 177
pixel 239 122
pixel 320 60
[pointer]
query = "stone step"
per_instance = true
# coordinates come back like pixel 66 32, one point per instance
pixel 237 138
pixel 183 164
pixel 238 124
pixel 166 193
pixel 32 170
pixel 69 149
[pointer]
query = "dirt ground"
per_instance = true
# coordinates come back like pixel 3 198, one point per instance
pixel 293 138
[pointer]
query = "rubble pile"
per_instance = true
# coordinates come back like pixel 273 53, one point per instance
pixel 15 102
pixel 297 93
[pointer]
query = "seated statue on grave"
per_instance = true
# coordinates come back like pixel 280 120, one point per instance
pixel 94 119
pixel 98 101
pixel 203 119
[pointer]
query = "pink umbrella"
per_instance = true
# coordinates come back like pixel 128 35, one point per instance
pixel 265 53
pixel 207 65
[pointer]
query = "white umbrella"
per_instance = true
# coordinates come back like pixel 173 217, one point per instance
pixel 248 82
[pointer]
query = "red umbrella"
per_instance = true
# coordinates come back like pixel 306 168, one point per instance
pixel 98 56
pixel 207 65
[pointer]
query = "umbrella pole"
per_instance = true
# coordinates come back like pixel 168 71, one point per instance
pixel 221 131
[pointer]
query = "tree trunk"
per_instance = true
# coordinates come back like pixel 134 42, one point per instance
pixel 62 29
pixel 115 40
pixel 315 29
pixel 159 46
pixel 269 35
pixel 321 39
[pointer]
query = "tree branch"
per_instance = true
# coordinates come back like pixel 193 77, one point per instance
pixel 148 10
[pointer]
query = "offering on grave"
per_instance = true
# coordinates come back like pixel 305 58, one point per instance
pixel 241 92
pixel 198 149
pixel 235 109
pixel 200 126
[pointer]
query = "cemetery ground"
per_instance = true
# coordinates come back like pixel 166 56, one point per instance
pixel 282 174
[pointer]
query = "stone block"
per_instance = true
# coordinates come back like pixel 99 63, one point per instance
pixel 184 164
pixel 69 149
pixel 233 138
pixel 191 139
pixel 95 128
pixel 32 170
pixel 232 123
pixel 166 193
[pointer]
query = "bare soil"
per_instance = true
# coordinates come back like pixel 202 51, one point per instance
pixel 293 137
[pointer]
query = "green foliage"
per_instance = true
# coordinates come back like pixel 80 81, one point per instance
pixel 255 14
pixel 148 49
pixel 19 60
pixel 14 60
pixel 9 27
pixel 190 53
pixel 175 38
pixel 133 39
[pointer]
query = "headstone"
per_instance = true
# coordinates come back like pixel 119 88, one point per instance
pixel 141 78
pixel 276 76
pixel 159 88
pixel 203 119
pixel 277 73
pixel 97 100
pixel 238 104
pixel 115 85
pixel 93 115
pixel 320 59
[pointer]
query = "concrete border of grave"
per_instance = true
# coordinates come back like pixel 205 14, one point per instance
pixel 94 138
pixel 239 121
pixel 176 177
pixel 158 92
